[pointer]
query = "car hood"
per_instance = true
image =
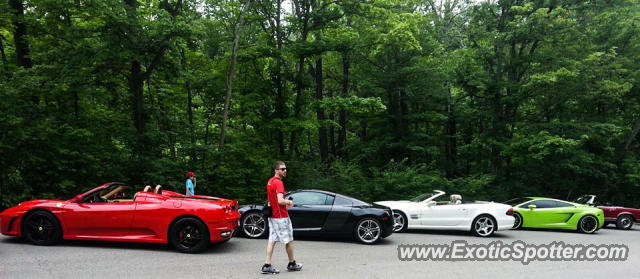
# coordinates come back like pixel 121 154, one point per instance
pixel 28 205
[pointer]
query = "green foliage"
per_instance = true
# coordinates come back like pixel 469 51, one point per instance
pixel 488 99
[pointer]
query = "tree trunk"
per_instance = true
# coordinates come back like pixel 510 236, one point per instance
pixel 187 85
pixel 404 112
pixel 5 64
pixel 20 39
pixel 342 118
pixel 76 108
pixel 20 34
pixel 136 82
pixel 230 71
pixel 332 134
pixel 632 136
pixel 301 9
pixel 297 106
pixel 451 145
pixel 280 98
pixel 322 130
pixel 363 130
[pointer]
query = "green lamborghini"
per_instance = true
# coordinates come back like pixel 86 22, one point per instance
pixel 536 212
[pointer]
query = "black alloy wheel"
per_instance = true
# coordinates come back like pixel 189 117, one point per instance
pixel 624 222
pixel 588 224
pixel 518 221
pixel 41 228
pixel 189 235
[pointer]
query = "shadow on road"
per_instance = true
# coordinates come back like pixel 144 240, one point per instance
pixel 213 248
pixel 464 234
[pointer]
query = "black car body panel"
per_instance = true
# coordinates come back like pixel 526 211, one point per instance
pixel 323 213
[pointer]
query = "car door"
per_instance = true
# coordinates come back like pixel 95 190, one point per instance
pixel 310 210
pixel 547 213
pixel 339 215
pixel 442 214
pixel 93 218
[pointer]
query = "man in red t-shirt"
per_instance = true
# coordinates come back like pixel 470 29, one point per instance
pixel 280 229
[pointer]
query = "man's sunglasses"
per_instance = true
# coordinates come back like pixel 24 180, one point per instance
pixel 283 169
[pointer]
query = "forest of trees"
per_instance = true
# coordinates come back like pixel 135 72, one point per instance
pixel 376 99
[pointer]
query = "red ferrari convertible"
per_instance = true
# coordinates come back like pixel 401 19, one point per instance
pixel 114 212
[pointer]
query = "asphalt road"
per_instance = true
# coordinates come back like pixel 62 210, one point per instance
pixel 322 258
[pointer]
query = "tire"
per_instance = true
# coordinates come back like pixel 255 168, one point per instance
pixel 399 221
pixel 588 224
pixel 484 225
pixel 189 235
pixel 254 225
pixel 41 228
pixel 624 222
pixel 518 222
pixel 368 230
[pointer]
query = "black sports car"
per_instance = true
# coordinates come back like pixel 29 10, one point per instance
pixel 324 213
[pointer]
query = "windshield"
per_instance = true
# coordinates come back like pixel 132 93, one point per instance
pixel 423 196
pixel 516 201
pixel 583 199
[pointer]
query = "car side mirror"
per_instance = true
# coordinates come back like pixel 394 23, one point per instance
pixel 431 203
pixel 532 206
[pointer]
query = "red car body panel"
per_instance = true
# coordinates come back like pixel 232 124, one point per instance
pixel 146 219
pixel 611 213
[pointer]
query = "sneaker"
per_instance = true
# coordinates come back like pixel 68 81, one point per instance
pixel 293 266
pixel 269 269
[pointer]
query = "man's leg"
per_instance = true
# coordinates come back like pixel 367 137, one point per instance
pixel 292 266
pixel 267 268
pixel 270 246
pixel 289 247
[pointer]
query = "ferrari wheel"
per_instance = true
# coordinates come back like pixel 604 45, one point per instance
pixel 483 226
pixel 399 221
pixel 189 235
pixel 518 221
pixel 624 222
pixel 42 228
pixel 588 224
pixel 368 230
pixel 254 225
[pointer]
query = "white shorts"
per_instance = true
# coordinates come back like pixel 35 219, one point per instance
pixel 280 230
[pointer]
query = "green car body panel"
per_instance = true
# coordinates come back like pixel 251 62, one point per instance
pixel 565 215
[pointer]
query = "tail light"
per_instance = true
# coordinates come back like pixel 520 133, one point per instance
pixel 510 212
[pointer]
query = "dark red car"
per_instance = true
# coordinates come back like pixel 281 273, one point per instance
pixel 115 212
pixel 623 217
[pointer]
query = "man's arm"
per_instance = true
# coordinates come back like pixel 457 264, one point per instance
pixel 282 201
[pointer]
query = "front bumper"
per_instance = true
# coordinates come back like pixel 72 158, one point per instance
pixel 10 224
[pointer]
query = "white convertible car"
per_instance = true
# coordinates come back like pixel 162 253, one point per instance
pixel 430 211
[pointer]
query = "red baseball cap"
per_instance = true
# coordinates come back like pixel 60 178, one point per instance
pixel 190 174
